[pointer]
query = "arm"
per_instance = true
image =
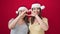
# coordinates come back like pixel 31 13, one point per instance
pixel 13 22
pixel 43 22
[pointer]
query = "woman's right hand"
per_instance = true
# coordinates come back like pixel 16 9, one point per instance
pixel 23 12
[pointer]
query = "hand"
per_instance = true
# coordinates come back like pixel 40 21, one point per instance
pixel 33 13
pixel 23 12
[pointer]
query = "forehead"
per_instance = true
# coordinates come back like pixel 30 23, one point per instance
pixel 36 8
pixel 21 10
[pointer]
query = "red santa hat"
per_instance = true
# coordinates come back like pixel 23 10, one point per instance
pixel 21 9
pixel 37 5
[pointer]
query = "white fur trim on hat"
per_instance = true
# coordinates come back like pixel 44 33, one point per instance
pixel 37 5
pixel 21 8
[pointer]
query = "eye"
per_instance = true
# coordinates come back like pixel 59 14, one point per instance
pixel 33 8
pixel 38 8
pixel 20 11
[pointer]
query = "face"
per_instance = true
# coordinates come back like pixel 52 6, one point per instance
pixel 36 10
pixel 20 12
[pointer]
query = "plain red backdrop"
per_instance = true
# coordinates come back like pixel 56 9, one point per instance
pixel 8 8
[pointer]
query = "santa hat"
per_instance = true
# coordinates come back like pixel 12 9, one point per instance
pixel 37 5
pixel 21 9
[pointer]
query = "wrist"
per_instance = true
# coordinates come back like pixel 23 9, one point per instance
pixel 36 15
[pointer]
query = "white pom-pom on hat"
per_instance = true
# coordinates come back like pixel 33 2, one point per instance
pixel 22 8
pixel 16 12
pixel 42 7
pixel 37 5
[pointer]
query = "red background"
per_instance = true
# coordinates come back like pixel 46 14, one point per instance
pixel 8 8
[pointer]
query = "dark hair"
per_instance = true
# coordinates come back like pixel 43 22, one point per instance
pixel 26 21
pixel 33 18
pixel 25 18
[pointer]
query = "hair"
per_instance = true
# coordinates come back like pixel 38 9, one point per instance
pixel 26 21
pixel 25 18
pixel 33 18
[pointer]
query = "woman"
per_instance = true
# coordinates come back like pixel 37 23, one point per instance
pixel 19 24
pixel 38 24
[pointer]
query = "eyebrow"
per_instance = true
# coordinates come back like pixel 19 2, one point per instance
pixel 37 8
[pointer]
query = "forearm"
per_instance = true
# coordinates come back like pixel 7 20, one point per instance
pixel 14 22
pixel 43 25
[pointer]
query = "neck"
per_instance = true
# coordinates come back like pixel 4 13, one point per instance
pixel 35 21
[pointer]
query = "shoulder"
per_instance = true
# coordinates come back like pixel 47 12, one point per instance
pixel 11 19
pixel 45 19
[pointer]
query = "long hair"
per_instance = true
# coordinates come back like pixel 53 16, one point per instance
pixel 26 21
pixel 25 18
pixel 33 18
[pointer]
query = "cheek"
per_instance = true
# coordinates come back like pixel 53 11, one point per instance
pixel 23 16
pixel 37 12
pixel 20 12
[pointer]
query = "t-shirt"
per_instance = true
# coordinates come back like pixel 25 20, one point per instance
pixel 35 28
pixel 19 29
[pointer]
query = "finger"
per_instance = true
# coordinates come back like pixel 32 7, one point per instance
pixel 26 14
pixel 26 10
pixel 30 10
pixel 32 15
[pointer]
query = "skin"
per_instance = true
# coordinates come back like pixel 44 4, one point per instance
pixel 18 20
pixel 43 22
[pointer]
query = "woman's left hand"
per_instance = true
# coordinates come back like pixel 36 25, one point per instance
pixel 33 13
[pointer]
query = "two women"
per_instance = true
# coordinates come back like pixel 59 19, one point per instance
pixel 37 23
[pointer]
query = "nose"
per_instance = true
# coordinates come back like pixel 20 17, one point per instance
pixel 35 10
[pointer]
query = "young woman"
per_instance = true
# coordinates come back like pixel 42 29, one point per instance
pixel 38 24
pixel 19 24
